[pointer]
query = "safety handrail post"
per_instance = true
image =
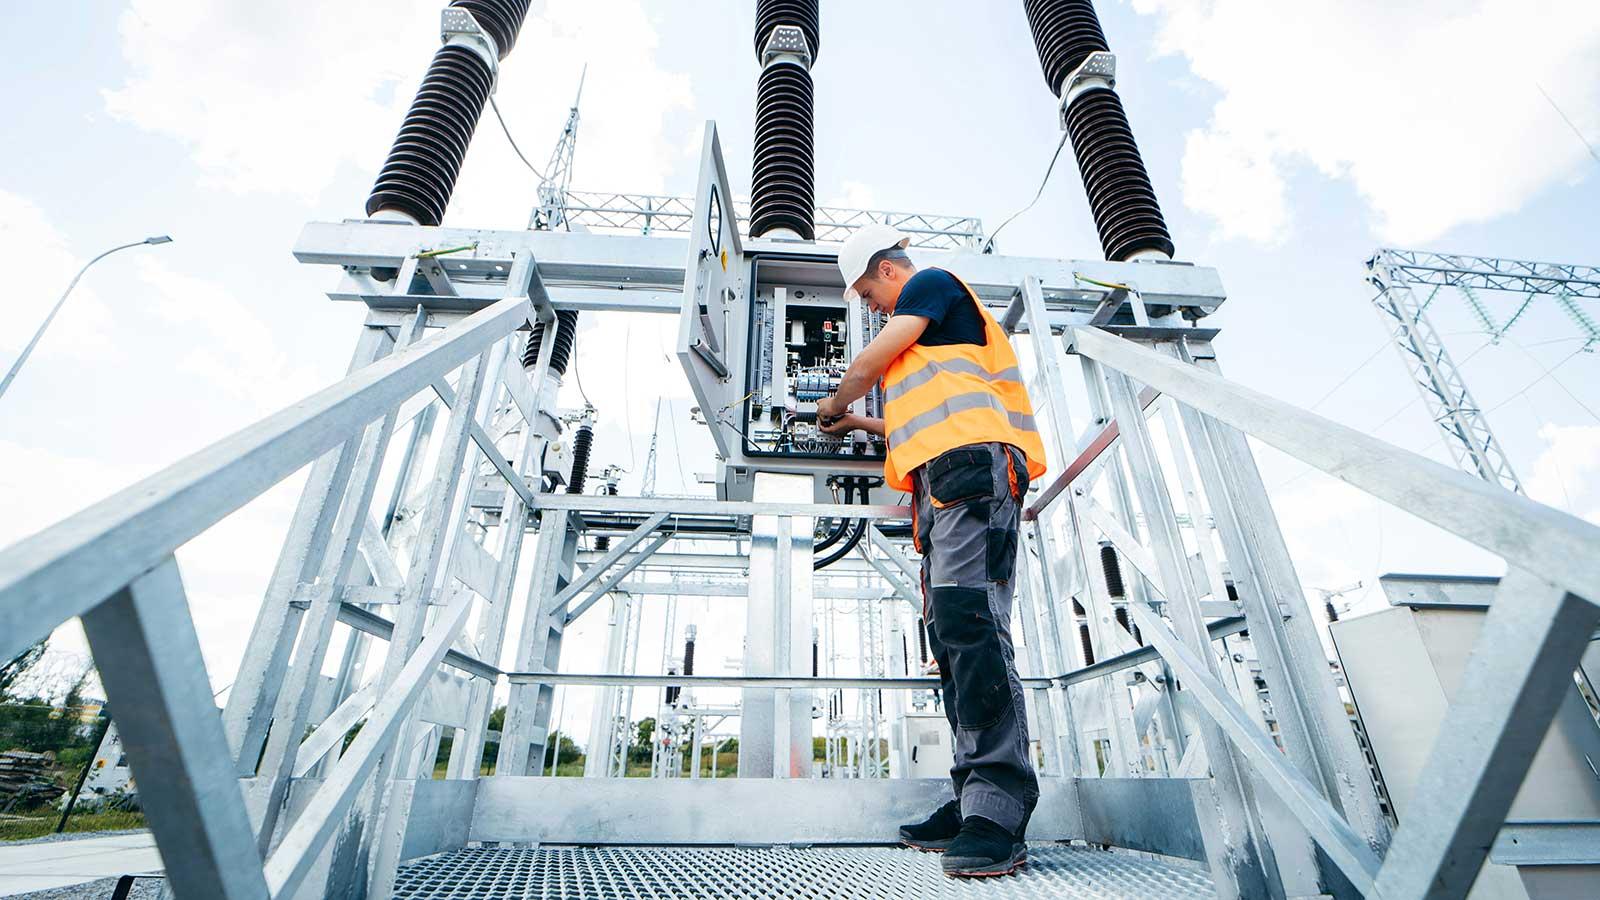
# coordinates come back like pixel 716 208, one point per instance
pixel 1534 635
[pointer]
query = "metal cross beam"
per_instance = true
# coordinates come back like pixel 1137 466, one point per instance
pixel 657 214
pixel 1488 273
pixel 1393 272
pixel 1438 377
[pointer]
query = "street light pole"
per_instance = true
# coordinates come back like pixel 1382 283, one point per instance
pixel 28 350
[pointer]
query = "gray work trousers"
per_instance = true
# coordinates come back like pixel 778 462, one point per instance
pixel 967 509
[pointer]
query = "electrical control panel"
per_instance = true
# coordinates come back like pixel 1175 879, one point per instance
pixel 764 334
pixel 803 335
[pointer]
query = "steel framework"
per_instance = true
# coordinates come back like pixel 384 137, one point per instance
pixel 1437 376
pixel 427 563
pixel 659 214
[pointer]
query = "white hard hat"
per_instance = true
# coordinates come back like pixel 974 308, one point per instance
pixel 859 248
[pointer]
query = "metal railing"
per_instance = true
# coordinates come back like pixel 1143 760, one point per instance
pixel 1533 637
pixel 114 565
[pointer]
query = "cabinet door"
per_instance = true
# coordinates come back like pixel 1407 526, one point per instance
pixel 712 329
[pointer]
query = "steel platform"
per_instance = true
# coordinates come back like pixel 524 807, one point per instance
pixel 657 873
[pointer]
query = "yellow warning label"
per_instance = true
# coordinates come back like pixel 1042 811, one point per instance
pixel 724 260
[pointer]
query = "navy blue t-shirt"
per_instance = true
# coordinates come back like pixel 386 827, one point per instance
pixel 937 296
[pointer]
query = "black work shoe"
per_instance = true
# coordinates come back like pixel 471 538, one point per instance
pixel 983 848
pixel 936 831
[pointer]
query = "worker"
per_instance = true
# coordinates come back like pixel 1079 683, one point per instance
pixel 962 442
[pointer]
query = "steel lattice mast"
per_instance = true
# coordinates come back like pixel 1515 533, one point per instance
pixel 1393 272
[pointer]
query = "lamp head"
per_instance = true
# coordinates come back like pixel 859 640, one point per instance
pixel 158 239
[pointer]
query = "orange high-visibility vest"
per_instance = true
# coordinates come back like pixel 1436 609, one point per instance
pixel 940 398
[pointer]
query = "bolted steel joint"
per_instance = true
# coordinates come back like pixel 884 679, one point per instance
pixel 786 42
pixel 459 28
pixel 1097 73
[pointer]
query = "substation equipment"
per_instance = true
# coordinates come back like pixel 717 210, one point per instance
pixel 1180 700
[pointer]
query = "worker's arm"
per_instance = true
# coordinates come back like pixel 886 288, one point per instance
pixel 869 366
pixel 851 422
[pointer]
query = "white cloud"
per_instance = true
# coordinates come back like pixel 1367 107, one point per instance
pixel 40 263
pixel 854 195
pixel 225 568
pixel 273 97
pixel 276 98
pixel 1566 473
pixel 225 344
pixel 1431 108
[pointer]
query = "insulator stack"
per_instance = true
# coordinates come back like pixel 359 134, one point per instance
pixel 420 172
pixel 582 442
pixel 783 188
pixel 673 690
pixel 688 655
pixel 1065 32
pixel 1121 613
pixel 1127 215
pixel 1333 614
pixel 922 640
pixel 801 14
pixel 561 353
pixel 1113 572
pixel 1083 633
pixel 501 18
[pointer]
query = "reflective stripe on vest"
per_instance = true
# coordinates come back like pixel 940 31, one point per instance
pixel 952 405
pixel 933 368
pixel 939 398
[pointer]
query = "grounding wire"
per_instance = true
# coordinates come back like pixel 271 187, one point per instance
pixel 1353 373
pixel 988 245
pixel 1592 152
pixel 1373 430
pixel 577 373
pixel 496 107
pixel 1550 373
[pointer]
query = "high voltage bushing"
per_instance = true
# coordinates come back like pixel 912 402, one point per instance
pixel 1113 572
pixel 783 182
pixel 1083 632
pixel 1066 32
pixel 561 353
pixel 582 442
pixel 801 14
pixel 420 172
pixel 1080 69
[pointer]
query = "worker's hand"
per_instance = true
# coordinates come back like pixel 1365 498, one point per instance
pixel 830 408
pixel 843 425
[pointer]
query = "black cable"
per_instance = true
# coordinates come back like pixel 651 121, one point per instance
pixel 988 246
pixel 496 107
pixel 856 533
pixel 837 529
pixel 843 551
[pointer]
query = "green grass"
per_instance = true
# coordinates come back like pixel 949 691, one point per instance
pixel 43 822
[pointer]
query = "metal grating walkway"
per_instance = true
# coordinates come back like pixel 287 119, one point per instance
pixel 657 873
